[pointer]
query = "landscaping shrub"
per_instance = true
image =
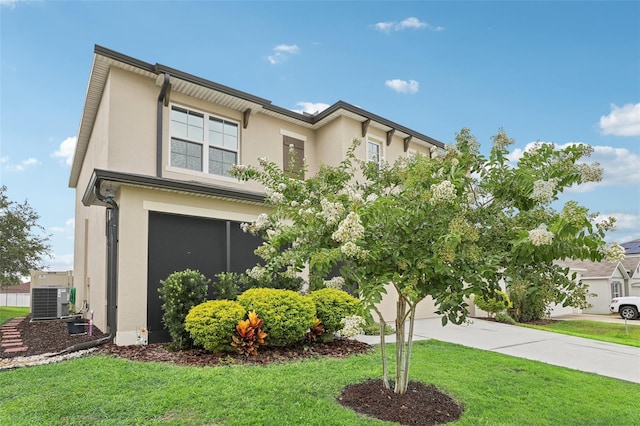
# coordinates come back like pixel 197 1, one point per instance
pixel 228 285
pixel 287 315
pixel 504 318
pixel 249 335
pixel 332 305
pixel 180 292
pixel 212 324
pixel 529 302
pixel 493 305
pixel 372 328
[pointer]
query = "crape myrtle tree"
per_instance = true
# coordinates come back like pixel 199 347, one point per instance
pixel 23 242
pixel 447 225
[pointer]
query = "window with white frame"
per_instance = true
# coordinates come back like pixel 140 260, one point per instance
pixel 374 151
pixel 616 289
pixel 203 142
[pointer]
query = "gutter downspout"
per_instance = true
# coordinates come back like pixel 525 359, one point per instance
pixel 112 277
pixel 163 100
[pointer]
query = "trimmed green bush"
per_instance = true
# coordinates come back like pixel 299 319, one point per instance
pixel 287 315
pixel 212 324
pixel 228 285
pixel 180 292
pixel 332 305
pixel 493 305
pixel 504 317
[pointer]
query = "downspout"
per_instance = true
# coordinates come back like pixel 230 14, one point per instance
pixel 163 100
pixel 112 277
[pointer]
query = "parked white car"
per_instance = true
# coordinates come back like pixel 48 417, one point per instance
pixel 628 307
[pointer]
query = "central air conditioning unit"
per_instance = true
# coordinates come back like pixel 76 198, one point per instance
pixel 49 302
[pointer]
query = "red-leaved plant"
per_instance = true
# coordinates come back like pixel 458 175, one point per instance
pixel 249 335
pixel 315 331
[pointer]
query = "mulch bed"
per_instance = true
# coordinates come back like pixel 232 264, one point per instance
pixel 421 405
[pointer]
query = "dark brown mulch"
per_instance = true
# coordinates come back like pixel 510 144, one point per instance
pixel 50 336
pixel 160 352
pixel 421 405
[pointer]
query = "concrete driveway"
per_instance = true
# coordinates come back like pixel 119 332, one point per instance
pixel 606 359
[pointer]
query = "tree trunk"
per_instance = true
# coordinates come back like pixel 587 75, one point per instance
pixel 400 386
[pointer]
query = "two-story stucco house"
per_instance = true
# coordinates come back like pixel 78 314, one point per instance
pixel 153 190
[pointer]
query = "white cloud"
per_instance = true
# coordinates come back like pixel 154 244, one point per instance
pixel 11 4
pixel 18 167
pixel 65 150
pixel 627 227
pixel 311 108
pixel 60 262
pixel 282 52
pixel 411 23
pixel 68 227
pixel 403 86
pixel 624 121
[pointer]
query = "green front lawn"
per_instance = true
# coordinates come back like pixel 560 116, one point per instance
pixel 495 390
pixel 604 331
pixel 8 312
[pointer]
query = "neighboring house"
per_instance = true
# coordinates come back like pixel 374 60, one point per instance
pixel 632 265
pixel 154 150
pixel 605 280
pixel 632 247
pixel 16 295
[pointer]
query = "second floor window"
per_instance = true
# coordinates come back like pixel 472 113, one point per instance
pixel 203 142
pixel 374 152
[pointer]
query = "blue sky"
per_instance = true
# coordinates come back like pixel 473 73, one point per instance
pixel 557 72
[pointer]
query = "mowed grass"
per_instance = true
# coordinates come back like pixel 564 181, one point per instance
pixel 495 389
pixel 604 331
pixel 8 312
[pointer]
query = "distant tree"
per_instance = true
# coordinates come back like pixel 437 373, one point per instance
pixel 23 242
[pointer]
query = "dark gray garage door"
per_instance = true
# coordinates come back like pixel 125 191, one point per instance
pixel 179 242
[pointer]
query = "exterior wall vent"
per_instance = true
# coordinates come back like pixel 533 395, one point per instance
pixel 49 302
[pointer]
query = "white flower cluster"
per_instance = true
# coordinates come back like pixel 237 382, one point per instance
pixel 613 252
pixel 540 236
pixel 307 213
pixel 351 249
pixel 350 229
pixel 331 212
pixel 239 169
pixel 352 326
pixel 371 198
pixel 392 190
pixel 257 272
pixel 335 282
pixel 590 172
pixel 265 250
pixel 543 190
pixel 443 192
pixel 261 222
pixel 574 213
pixel 274 196
pixel 353 194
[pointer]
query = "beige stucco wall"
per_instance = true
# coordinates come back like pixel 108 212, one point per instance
pixel 387 307
pixel 89 265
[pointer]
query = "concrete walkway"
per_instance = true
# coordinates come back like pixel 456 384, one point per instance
pixel 606 359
